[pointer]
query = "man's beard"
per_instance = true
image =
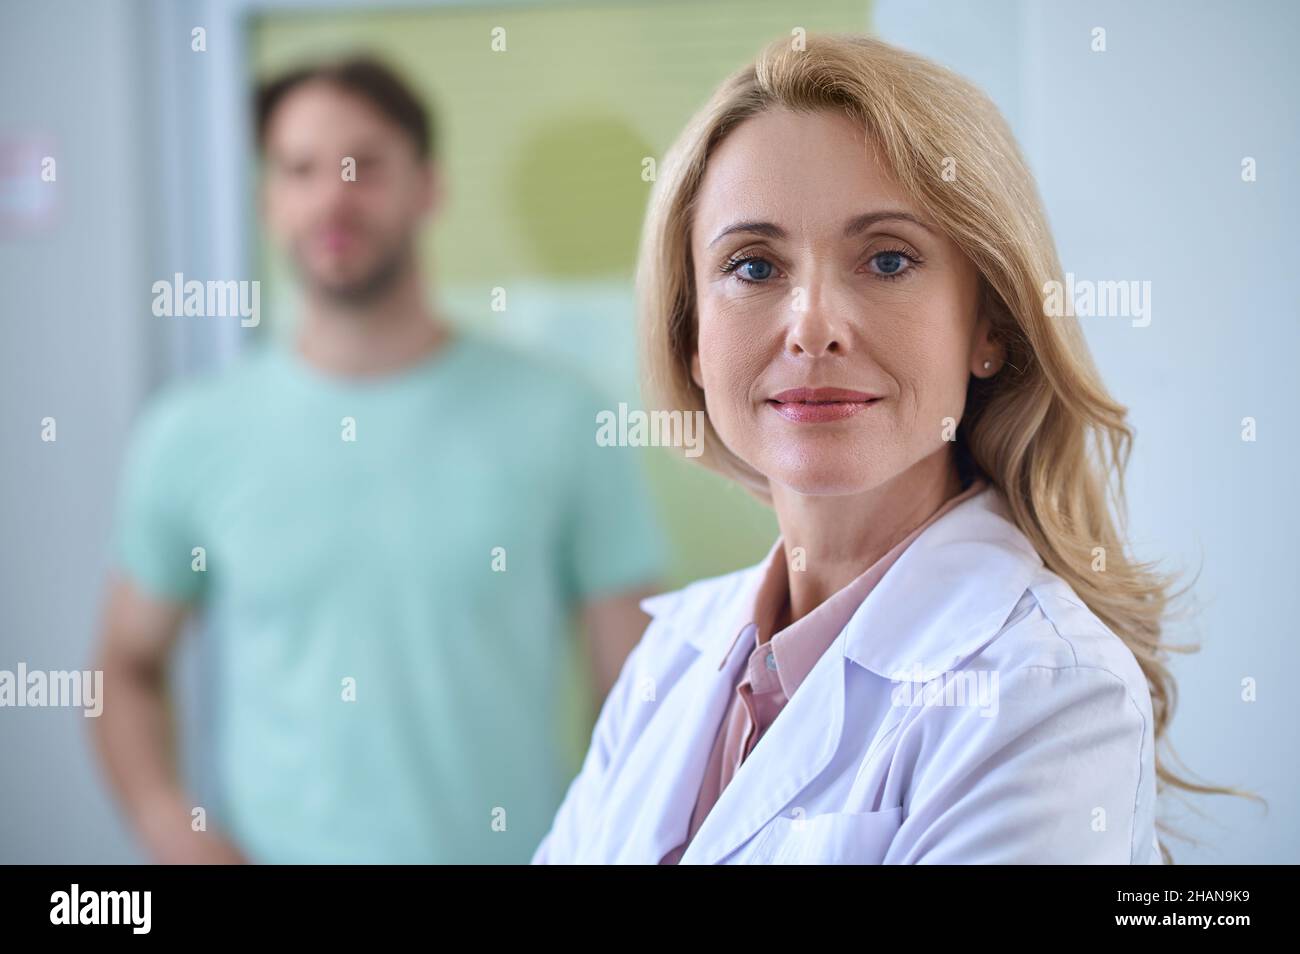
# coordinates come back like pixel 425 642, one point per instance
pixel 368 288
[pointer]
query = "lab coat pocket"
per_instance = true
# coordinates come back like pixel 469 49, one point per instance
pixel 831 838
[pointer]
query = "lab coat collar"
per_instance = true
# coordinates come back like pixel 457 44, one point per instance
pixel 947 595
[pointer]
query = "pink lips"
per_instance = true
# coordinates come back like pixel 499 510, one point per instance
pixel 819 405
pixel 336 239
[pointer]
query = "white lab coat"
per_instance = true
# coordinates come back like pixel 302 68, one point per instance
pixel 1051 762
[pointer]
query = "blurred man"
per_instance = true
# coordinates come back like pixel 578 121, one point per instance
pixel 392 524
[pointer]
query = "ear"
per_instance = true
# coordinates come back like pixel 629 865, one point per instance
pixel 431 187
pixel 267 209
pixel 260 199
pixel 985 346
pixel 696 375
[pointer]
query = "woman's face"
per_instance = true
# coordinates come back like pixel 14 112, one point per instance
pixel 837 330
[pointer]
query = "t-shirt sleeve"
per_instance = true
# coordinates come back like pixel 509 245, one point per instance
pixel 616 542
pixel 153 534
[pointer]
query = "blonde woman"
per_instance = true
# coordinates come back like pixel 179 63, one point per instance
pixel 948 655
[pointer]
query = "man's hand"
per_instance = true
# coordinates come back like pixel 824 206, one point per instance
pixel 170 839
pixel 613 625
pixel 135 733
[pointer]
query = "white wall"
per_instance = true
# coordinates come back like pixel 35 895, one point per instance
pixel 1138 155
pixel 124 103
pixel 74 349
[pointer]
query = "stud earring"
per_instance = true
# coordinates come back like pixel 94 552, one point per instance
pixel 987 365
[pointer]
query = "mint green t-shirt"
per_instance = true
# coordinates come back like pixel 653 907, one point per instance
pixel 390 567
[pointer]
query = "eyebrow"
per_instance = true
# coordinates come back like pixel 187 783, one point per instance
pixel 856 225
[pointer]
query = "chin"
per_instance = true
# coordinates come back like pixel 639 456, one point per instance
pixel 341 275
pixel 832 474
pixel 359 286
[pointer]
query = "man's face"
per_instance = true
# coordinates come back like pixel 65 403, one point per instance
pixel 349 237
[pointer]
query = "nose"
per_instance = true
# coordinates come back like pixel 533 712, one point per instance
pixel 337 192
pixel 815 329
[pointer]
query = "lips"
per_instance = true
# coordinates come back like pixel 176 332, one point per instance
pixel 335 240
pixel 820 405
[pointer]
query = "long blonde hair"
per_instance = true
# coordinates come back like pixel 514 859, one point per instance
pixel 1030 429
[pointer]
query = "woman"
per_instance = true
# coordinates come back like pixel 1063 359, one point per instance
pixel 947 656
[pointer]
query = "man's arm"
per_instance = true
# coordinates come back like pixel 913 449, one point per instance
pixel 612 626
pixel 135 734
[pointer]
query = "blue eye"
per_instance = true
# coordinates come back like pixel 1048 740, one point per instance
pixel 749 268
pixel 752 269
pixel 755 269
pixel 890 263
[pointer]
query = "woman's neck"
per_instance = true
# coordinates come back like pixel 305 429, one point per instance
pixel 842 536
